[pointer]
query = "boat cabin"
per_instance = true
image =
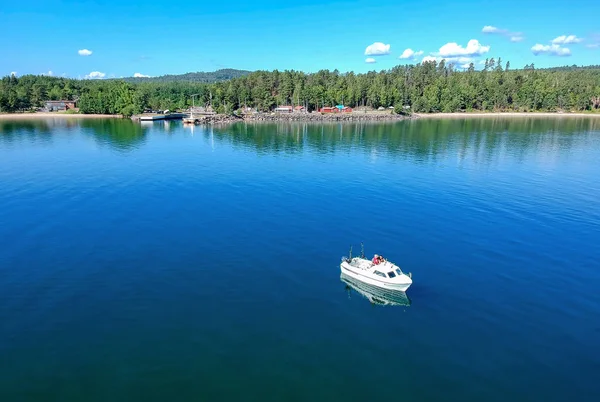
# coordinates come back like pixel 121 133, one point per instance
pixel 387 273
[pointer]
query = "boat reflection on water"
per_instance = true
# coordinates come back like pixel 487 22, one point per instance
pixel 374 294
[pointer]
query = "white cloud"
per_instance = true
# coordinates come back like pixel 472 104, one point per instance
pixel 377 49
pixel 593 41
pixel 84 52
pixel 459 60
pixel 370 60
pixel 465 66
pixel 474 48
pixel 491 29
pixel 410 54
pixel 566 39
pixel 14 73
pixel 449 60
pixel 95 75
pixel 552 50
pixel 513 36
pixel 49 73
pixel 140 75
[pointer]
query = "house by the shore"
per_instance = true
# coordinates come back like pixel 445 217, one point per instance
pixel 335 109
pixel 59 105
pixel 248 110
pixel 200 110
pixel 284 109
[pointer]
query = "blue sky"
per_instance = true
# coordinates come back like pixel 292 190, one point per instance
pixel 158 37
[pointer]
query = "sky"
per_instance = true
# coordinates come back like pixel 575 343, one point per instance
pixel 116 38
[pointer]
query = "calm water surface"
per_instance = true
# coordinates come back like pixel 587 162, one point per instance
pixel 164 263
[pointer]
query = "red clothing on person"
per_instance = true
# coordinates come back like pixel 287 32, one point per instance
pixel 375 260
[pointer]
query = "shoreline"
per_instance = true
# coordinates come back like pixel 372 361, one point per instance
pixel 219 119
pixel 316 117
pixel 329 117
pixel 501 114
pixel 45 115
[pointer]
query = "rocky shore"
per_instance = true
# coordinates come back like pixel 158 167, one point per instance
pixel 365 117
pixel 215 119
pixel 356 116
pixel 299 117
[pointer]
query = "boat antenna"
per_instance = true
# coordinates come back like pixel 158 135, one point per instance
pixel 350 256
pixel 362 250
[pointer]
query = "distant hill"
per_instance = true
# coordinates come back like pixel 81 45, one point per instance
pixel 573 67
pixel 206 77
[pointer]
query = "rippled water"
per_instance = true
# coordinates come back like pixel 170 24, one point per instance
pixel 161 262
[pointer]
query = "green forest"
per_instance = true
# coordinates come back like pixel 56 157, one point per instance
pixel 429 87
pixel 205 77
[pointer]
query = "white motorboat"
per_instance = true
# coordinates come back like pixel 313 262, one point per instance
pixel 385 275
pixel 376 295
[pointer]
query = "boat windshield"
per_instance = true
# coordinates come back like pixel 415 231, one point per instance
pixel 380 273
pixel 398 271
pixel 391 274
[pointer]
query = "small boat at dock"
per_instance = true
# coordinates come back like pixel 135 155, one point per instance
pixel 160 116
pixel 190 120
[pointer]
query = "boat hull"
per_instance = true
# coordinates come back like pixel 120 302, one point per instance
pixel 375 294
pixel 361 275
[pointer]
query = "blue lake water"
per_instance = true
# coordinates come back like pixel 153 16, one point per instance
pixel 158 262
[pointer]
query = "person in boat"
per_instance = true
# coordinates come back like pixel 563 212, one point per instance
pixel 376 259
pixel 381 259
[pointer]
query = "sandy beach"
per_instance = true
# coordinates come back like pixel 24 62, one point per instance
pixel 45 115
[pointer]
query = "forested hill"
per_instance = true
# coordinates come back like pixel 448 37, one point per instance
pixel 205 77
pixel 427 88
pixel 571 68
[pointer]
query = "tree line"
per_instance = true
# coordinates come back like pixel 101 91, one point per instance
pixel 427 87
pixel 205 77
